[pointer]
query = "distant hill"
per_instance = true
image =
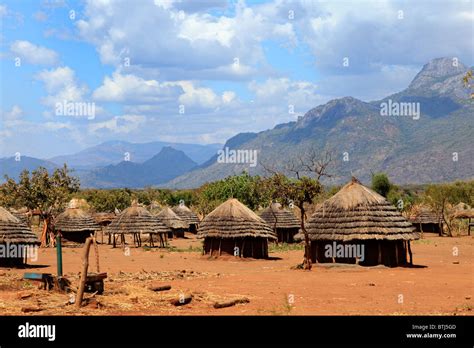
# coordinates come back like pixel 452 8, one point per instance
pixel 166 165
pixel 113 152
pixel 9 166
pixel 410 149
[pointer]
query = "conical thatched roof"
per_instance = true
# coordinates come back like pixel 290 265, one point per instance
pixel 136 219
pixel 424 215
pixel 13 231
pixel 283 217
pixel 75 220
pixel 357 212
pixel 101 218
pixel 79 203
pixel 232 219
pixel 170 219
pixel 186 214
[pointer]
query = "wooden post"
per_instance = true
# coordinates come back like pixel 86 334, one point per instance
pixel 380 253
pixel 113 237
pixel 396 253
pixel 243 246
pixel 220 242
pixel 85 265
pixel 212 239
pixel 409 252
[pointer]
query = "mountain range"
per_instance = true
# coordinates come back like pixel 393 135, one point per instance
pixel 422 134
pixel 435 146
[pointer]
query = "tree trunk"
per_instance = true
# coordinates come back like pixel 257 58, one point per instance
pixel 85 265
pixel 307 249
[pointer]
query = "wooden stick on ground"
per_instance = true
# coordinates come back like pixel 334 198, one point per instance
pixel 231 303
pixel 85 265
pixel 160 288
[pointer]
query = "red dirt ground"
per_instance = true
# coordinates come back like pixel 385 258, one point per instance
pixel 443 286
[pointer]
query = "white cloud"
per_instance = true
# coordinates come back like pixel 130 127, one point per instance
pixel 61 85
pixel 211 41
pixel 14 114
pixel 118 124
pixel 33 54
pixel 133 89
pixel 3 10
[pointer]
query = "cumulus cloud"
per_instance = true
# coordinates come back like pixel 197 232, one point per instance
pixel 133 90
pixel 61 85
pixel 213 41
pixel 34 54
pixel 118 124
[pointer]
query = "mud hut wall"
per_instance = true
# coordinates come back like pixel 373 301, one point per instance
pixel 392 253
pixel 248 247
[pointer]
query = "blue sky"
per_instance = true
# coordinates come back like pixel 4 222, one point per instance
pixel 203 71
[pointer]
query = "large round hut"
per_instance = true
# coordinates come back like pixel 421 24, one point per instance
pixel 188 216
pixel 176 225
pixel 425 220
pixel 137 222
pixel 234 229
pixel 75 224
pixel 357 225
pixel 15 240
pixel 283 222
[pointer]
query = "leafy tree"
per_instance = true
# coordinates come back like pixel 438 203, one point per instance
pixel 381 184
pixel 298 192
pixel 41 191
pixel 247 189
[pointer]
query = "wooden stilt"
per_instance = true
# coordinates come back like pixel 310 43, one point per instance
pixel 243 246
pixel 212 239
pixel 409 252
pixel 220 242
pixel 396 253
pixel 114 240
pixel 380 253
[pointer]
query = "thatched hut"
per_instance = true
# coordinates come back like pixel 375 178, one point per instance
pixel 138 221
pixel 104 220
pixel 176 225
pixel 188 216
pixel 234 229
pixel 75 224
pixel 15 239
pixel 23 214
pixel 464 211
pixel 283 222
pixel 425 220
pixel 357 225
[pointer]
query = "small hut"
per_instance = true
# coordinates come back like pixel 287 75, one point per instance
pixel 283 222
pixel 103 220
pixel 234 229
pixel 464 211
pixel 23 214
pixel 357 225
pixel 15 240
pixel 425 220
pixel 188 216
pixel 176 225
pixel 75 224
pixel 137 221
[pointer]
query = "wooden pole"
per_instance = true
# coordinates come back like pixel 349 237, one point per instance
pixel 396 253
pixel 85 265
pixel 220 243
pixel 380 253
pixel 409 252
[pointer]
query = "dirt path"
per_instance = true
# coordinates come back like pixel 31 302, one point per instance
pixel 444 286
